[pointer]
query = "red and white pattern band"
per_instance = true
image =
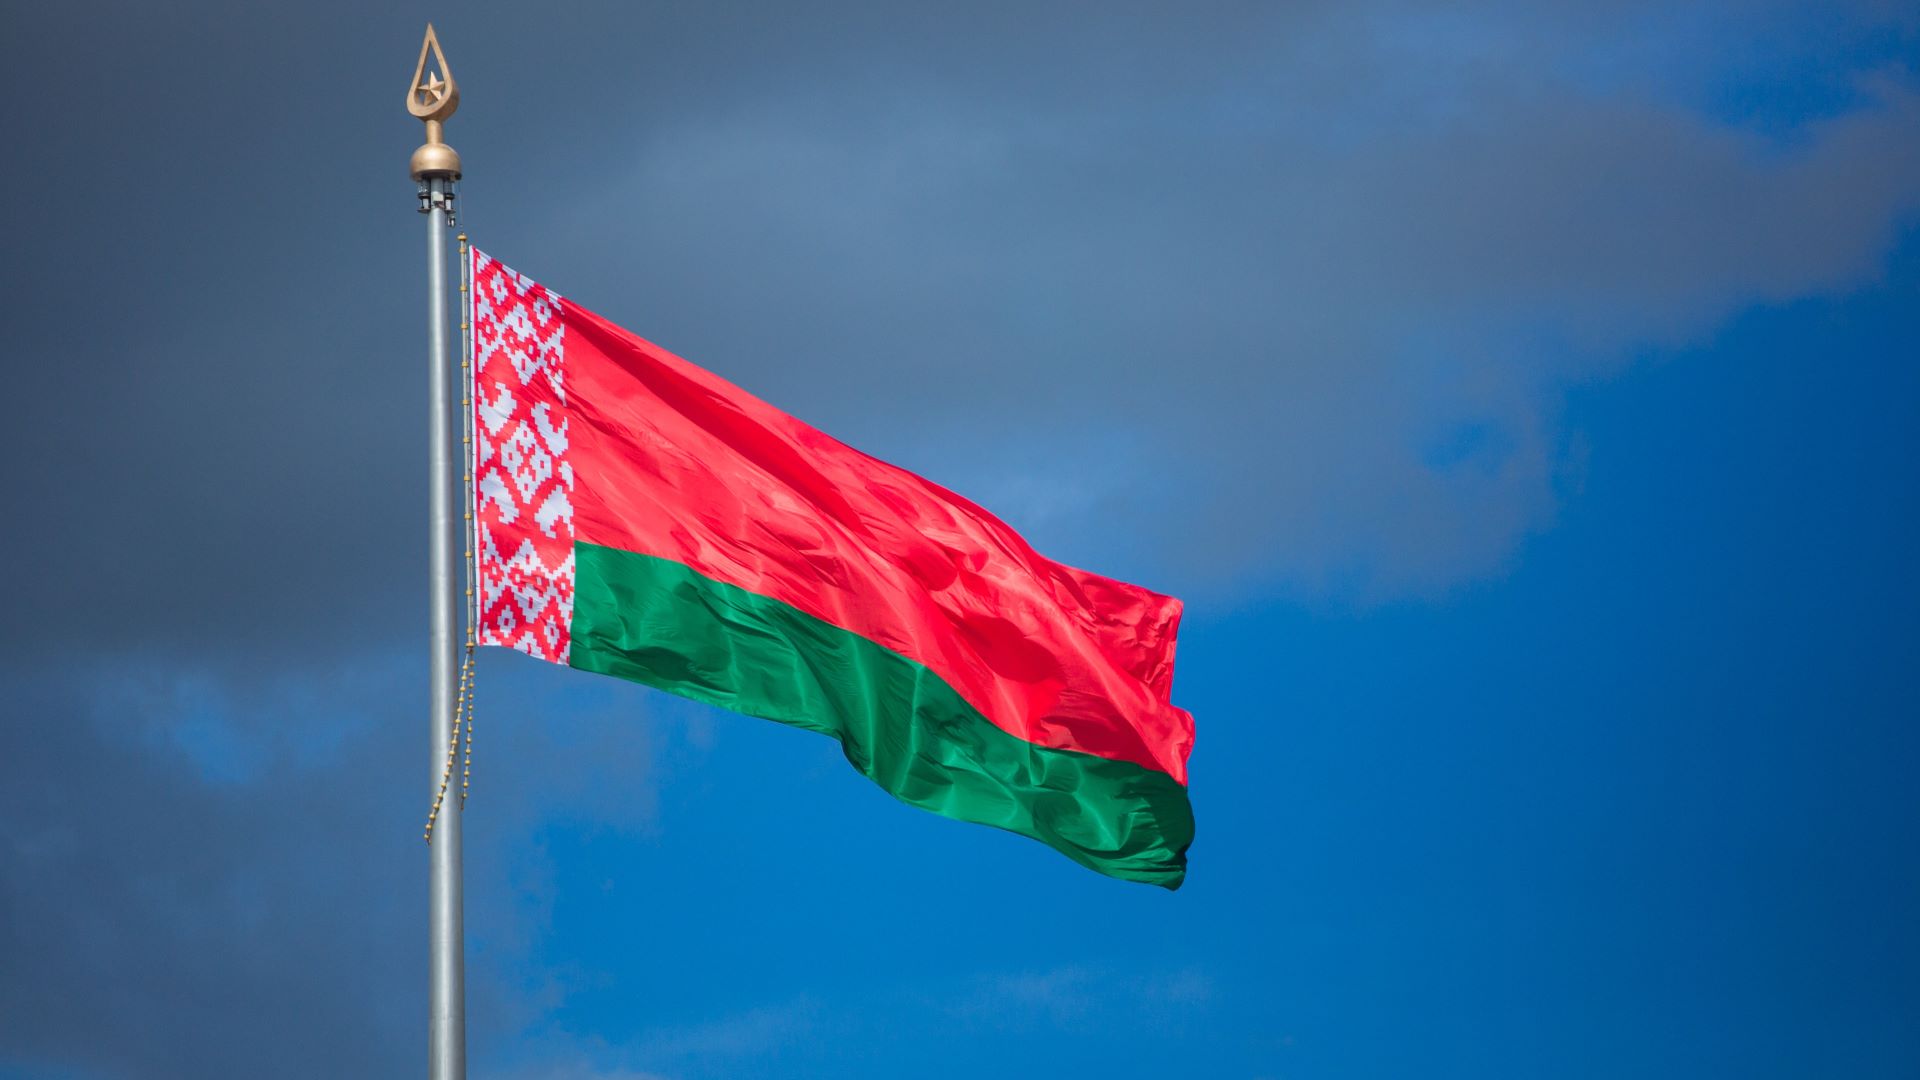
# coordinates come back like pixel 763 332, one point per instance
pixel 522 482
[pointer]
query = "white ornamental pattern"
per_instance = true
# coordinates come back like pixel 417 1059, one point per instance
pixel 522 482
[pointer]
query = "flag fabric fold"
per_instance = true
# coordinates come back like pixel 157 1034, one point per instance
pixel 641 517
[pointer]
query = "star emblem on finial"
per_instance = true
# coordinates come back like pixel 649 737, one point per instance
pixel 433 91
pixel 433 95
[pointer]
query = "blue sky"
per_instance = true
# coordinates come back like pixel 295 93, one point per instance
pixel 1525 403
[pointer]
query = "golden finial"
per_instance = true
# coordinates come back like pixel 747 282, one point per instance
pixel 433 96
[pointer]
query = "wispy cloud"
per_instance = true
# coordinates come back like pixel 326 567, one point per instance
pixel 733 1044
pixel 754 1032
pixel 1063 996
pixel 569 1071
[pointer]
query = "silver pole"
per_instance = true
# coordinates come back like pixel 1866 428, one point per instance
pixel 447 1042
pixel 432 98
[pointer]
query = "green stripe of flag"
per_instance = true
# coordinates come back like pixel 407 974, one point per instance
pixel 661 623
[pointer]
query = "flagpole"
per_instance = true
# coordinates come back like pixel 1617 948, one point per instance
pixel 433 98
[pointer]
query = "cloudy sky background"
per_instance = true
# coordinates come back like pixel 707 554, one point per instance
pixel 1525 404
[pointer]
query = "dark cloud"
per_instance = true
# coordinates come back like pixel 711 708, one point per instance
pixel 1227 324
pixel 1276 292
pixel 199 878
pixel 1287 293
pixel 1229 285
pixel 155 925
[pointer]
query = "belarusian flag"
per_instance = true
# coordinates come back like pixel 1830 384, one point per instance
pixel 640 517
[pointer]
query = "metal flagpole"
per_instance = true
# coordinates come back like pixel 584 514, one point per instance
pixel 433 97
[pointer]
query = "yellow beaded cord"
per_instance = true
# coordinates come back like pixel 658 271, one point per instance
pixel 463 698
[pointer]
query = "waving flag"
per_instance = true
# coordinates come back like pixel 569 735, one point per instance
pixel 640 517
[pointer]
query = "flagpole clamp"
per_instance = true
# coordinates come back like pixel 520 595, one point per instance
pixel 440 196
